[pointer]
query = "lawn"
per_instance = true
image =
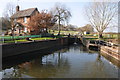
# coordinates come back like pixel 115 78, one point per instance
pixel 44 38
pixel 65 32
pixel 106 37
pixel 24 40
pixel 18 37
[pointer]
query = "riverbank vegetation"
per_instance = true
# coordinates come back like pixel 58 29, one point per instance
pixel 109 37
pixel 24 40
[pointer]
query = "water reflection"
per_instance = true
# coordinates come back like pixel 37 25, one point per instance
pixel 39 67
pixel 53 64
pixel 72 62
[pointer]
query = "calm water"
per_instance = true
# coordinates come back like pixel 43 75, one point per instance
pixel 71 62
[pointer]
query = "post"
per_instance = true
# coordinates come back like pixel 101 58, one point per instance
pixel 13 34
pixel 2 38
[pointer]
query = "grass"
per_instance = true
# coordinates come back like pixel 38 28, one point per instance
pixel 44 38
pixel 18 37
pixel 91 38
pixel 65 32
pixel 24 40
pixel 34 37
pixel 106 37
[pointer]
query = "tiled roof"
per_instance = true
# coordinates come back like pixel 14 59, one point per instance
pixel 24 13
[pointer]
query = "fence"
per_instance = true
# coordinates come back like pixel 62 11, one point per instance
pixel 18 37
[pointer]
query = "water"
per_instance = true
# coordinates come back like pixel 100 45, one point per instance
pixel 71 62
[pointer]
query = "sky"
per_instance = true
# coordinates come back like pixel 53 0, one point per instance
pixel 75 6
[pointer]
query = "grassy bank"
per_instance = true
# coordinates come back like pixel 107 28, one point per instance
pixel 24 40
pixel 106 37
pixel 65 32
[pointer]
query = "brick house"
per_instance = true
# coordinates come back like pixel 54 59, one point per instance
pixel 22 18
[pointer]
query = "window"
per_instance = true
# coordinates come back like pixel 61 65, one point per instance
pixel 25 19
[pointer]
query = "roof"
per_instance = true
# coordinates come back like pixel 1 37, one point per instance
pixel 19 24
pixel 24 13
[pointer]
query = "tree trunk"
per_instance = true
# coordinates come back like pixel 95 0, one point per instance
pixel 59 26
pixel 46 30
pixel 13 34
pixel 49 31
pixel 19 31
pixel 100 35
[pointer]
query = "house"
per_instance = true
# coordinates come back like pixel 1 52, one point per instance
pixel 21 19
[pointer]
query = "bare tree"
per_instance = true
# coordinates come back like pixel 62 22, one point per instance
pixel 8 12
pixel 5 23
pixel 101 15
pixel 62 14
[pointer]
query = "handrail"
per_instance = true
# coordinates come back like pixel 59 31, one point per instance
pixel 18 37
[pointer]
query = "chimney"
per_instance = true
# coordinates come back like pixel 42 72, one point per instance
pixel 17 8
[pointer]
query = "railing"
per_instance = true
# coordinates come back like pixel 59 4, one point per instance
pixel 12 39
pixel 18 37
pixel 113 52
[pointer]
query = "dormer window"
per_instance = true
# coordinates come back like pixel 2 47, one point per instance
pixel 25 19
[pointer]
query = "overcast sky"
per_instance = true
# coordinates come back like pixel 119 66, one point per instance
pixel 76 7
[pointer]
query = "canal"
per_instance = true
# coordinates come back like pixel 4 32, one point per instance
pixel 73 61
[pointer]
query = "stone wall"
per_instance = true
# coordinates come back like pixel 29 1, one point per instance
pixel 111 54
pixel 20 48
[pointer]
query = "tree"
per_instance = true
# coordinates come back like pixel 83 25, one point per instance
pixel 61 14
pixel 8 12
pixel 5 23
pixel 71 27
pixel 101 14
pixel 87 28
pixel 41 22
